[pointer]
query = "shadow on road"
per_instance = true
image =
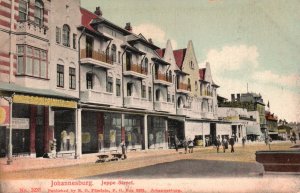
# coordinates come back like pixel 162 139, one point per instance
pixel 191 169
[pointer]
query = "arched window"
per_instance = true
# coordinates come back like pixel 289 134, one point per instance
pixel 179 102
pixel 114 52
pixel 146 65
pixel 66 35
pixel 38 12
pixel 129 89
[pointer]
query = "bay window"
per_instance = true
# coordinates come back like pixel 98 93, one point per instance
pixel 32 61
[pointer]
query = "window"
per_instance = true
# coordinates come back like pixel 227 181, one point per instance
pixel 74 41
pixel 60 75
pixel 114 52
pixel 196 85
pixel 89 81
pixel 170 76
pixel 173 98
pixel 23 10
pixel 168 98
pixel 118 87
pixel 189 84
pixel 58 35
pixel 72 78
pixel 129 89
pixel 145 66
pixel 66 35
pixel 38 12
pixel 109 84
pixel 119 57
pixel 143 91
pixel 32 61
pixel 150 93
pixel 191 65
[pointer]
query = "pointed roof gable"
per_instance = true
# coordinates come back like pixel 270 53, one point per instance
pixel 86 18
pixel 179 56
pixel 202 73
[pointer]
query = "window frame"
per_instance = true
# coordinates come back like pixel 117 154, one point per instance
pixel 144 95
pixel 118 87
pixel 109 84
pixel 89 81
pixel 60 69
pixel 72 78
pixel 66 35
pixel 58 35
pixel 149 93
pixel 25 12
pixel 74 41
pixel 38 19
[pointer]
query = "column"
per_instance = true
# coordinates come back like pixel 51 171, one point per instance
pixel 203 136
pixel 146 131
pixel 123 127
pixel 46 129
pixel 78 148
pixel 166 134
pixel 32 130
pixel 10 151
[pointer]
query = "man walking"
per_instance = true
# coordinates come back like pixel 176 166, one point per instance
pixel 231 142
pixel 123 146
pixel 243 141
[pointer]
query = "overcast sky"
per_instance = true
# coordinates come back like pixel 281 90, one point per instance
pixel 246 41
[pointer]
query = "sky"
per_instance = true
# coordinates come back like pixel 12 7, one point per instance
pixel 254 42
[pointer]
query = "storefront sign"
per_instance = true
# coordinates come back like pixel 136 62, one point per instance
pixel 45 101
pixel 20 123
pixel 4 115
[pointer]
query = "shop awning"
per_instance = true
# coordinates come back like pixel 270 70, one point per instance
pixel 45 97
pixel 253 130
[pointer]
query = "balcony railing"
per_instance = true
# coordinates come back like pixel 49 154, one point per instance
pixel 163 77
pixel 99 56
pixel 207 93
pixel 136 68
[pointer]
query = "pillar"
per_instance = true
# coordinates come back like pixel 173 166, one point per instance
pixel 46 129
pixel 100 130
pixel 146 131
pixel 78 147
pixel 203 136
pixel 33 112
pixel 10 151
pixel 166 134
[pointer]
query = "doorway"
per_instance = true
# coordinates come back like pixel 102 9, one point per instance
pixel 213 133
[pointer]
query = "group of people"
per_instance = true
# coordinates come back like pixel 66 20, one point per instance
pixel 225 143
pixel 188 144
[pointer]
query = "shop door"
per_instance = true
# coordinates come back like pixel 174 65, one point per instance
pixel 39 133
pixel 213 133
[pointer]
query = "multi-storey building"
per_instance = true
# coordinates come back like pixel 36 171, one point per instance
pixel 76 81
pixel 29 101
pixel 272 125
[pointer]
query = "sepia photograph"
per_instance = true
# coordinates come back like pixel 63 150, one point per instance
pixel 149 96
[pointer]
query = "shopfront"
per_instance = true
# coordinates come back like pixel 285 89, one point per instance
pixel 157 132
pixel 175 128
pixel 134 131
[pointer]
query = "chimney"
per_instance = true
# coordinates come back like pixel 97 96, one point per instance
pixel 232 98
pixel 98 11
pixel 150 41
pixel 128 27
pixel 238 97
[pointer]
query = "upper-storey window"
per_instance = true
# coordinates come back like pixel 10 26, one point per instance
pixel 23 10
pixel 145 65
pixel 114 52
pixel 32 61
pixel 38 12
pixel 66 35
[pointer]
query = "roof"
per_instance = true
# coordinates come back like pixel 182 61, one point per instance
pixel 101 20
pixel 202 73
pixel 161 52
pixel 86 18
pixel 131 48
pixel 271 116
pixel 143 41
pixel 158 60
pixel 179 56
pixel 11 87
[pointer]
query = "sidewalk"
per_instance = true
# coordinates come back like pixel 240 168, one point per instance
pixel 28 163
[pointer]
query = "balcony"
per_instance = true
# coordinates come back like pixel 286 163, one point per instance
pixel 136 71
pixel 99 59
pixel 164 106
pixel 29 27
pixel 162 79
pixel 183 88
pixel 99 97
pixel 206 94
pixel 135 102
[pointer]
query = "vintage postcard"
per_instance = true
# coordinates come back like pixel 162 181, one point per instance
pixel 149 96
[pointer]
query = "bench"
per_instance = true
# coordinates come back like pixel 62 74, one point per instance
pixel 102 158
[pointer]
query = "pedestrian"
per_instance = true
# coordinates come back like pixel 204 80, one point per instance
pixel 185 145
pixel 176 142
pixel 224 144
pixel 243 141
pixel 231 142
pixel 218 143
pixel 190 145
pixel 123 146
